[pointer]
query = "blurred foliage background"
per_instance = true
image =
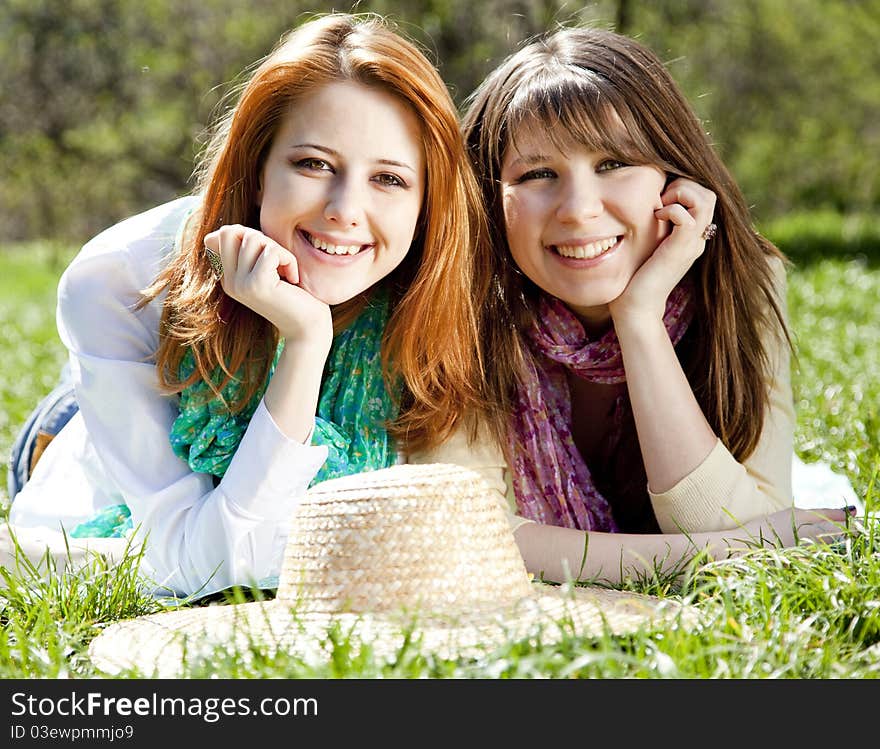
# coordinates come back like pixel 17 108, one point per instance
pixel 103 103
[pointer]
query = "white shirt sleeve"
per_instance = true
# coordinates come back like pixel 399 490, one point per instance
pixel 199 538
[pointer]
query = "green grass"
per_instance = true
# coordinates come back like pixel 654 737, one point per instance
pixel 804 613
pixel 31 354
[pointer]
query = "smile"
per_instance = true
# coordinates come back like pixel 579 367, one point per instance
pixel 333 249
pixel 585 251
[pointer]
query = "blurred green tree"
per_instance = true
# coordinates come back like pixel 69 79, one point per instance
pixel 103 103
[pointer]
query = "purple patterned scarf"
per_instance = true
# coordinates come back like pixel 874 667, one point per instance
pixel 550 478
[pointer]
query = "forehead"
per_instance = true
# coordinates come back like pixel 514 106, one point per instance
pixel 534 137
pixel 355 119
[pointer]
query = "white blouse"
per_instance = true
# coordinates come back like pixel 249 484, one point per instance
pixel 116 449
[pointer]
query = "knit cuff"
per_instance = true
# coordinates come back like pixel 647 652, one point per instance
pixel 697 502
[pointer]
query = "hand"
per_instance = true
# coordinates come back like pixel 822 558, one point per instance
pixel 791 526
pixel 264 276
pixel 688 207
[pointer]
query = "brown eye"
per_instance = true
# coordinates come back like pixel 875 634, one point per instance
pixel 389 180
pixel 312 164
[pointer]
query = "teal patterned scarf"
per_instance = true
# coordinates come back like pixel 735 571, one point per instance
pixel 353 407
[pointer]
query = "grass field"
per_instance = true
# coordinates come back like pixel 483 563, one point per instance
pixel 809 612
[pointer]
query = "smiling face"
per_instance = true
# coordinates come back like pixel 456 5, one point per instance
pixel 579 224
pixel 342 187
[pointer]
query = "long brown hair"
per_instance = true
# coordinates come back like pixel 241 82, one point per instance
pixel 585 82
pixel 430 339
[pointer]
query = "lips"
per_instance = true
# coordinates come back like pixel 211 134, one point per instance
pixel 330 248
pixel 585 250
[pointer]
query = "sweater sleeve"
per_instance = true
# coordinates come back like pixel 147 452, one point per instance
pixel 199 537
pixel 722 493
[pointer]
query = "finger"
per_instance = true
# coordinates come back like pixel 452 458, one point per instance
pixel 230 238
pixel 212 241
pixel 689 192
pixel 699 201
pixel 285 262
pixel 677 214
pixel 275 262
pixel 829 533
pixel 834 515
pixel 288 267
pixel 253 246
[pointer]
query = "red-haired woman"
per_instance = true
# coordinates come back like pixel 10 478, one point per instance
pixel 305 314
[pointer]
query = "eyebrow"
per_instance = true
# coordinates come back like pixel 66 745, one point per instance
pixel 332 152
pixel 529 159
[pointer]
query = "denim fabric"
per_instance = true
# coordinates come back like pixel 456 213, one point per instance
pixel 50 415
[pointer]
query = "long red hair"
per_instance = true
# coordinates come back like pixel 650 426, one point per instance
pixel 430 342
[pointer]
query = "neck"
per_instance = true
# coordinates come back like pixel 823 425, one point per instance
pixel 596 320
pixel 344 313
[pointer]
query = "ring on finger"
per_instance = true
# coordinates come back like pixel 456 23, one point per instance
pixel 215 262
pixel 709 232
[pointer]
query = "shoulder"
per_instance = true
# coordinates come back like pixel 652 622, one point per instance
pixel 101 288
pixel 778 270
pixel 127 255
pixel 778 291
pixel 142 241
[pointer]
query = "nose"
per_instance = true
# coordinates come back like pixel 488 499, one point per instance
pixel 344 205
pixel 580 198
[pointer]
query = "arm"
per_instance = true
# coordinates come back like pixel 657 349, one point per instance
pixel 722 492
pixel 198 534
pixel 559 554
pixel 674 436
pixel 262 275
pixel 694 482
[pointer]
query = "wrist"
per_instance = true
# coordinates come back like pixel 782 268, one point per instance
pixel 309 339
pixel 638 325
pixel 312 347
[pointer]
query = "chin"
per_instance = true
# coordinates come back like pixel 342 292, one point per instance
pixel 597 297
pixel 330 296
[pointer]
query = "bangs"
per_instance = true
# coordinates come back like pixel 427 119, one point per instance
pixel 578 108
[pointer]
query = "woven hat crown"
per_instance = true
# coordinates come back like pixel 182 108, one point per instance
pixel 415 537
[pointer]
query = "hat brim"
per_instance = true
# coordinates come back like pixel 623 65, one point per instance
pixel 161 645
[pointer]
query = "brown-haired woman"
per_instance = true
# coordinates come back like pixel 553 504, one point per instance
pixel 646 388
pixel 308 312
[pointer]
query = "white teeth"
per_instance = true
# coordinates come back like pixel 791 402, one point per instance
pixel 586 251
pixel 333 249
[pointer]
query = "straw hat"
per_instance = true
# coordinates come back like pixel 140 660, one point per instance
pixel 418 549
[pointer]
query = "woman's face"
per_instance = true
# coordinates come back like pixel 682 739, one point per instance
pixel 342 187
pixel 579 224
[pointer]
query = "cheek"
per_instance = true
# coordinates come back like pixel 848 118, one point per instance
pixel 517 232
pixel 397 223
pixel 515 219
pixel 269 195
pixel 408 222
pixel 642 211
